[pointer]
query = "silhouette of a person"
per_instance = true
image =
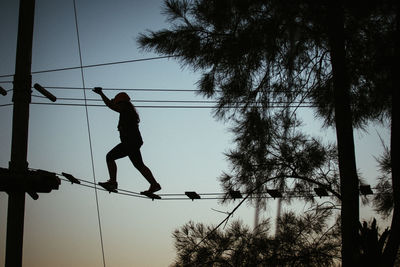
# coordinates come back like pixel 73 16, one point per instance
pixel 131 140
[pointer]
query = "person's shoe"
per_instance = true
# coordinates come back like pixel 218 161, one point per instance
pixel 110 185
pixel 154 188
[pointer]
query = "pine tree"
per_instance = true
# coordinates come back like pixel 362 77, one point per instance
pixel 339 55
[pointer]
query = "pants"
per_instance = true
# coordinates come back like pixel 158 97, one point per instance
pixel 122 150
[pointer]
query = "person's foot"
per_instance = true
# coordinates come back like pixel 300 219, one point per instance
pixel 111 185
pixel 154 188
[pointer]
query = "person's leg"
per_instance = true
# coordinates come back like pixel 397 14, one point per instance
pixel 116 153
pixel 136 157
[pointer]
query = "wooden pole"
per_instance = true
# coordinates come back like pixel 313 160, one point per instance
pixel 19 146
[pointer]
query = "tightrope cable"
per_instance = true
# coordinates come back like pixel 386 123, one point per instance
pixel 89 135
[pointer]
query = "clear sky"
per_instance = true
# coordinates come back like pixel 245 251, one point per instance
pixel 183 147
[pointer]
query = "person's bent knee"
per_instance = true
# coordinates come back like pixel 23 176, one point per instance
pixel 110 157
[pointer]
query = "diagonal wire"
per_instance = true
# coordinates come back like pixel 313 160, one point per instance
pixel 90 139
pixel 101 64
pixel 96 65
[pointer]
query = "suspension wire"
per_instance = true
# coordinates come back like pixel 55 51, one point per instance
pixel 6 75
pixel 153 106
pixel 174 101
pixel 103 64
pixel 147 89
pixel 163 106
pixel 191 103
pixel 126 89
pixel 96 65
pixel 6 105
pixel 304 105
pixel 274 104
pixel 89 135
pixel 137 100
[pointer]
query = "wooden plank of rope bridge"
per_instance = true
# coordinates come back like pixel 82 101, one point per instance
pixel 71 178
pixel 192 195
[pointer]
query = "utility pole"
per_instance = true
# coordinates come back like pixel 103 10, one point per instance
pixel 19 145
pixel 18 179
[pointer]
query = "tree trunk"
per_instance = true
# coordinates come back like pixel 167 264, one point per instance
pixel 392 246
pixel 344 135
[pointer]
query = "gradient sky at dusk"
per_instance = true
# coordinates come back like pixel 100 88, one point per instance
pixel 183 147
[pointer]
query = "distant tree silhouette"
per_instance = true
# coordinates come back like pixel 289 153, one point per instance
pixel 341 55
pixel 272 153
pixel 300 241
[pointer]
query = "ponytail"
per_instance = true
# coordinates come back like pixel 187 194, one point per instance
pixel 135 112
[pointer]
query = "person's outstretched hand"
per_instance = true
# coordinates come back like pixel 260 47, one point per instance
pixel 98 90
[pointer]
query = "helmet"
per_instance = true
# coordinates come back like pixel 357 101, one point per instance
pixel 121 97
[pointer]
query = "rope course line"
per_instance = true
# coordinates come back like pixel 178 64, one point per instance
pixel 164 106
pixel 125 89
pixel 6 75
pixel 202 104
pixel 174 196
pixel 153 106
pixel 146 89
pixel 208 195
pixel 89 135
pixel 171 101
pixel 233 211
pixel 96 65
pixel 103 64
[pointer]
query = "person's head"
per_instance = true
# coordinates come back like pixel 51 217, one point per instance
pixel 121 97
pixel 124 98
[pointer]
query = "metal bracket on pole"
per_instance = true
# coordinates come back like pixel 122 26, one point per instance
pixel 31 182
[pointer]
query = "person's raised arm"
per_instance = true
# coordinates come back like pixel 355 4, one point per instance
pixel 106 100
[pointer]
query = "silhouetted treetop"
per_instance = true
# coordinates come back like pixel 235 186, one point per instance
pixel 263 51
pixel 306 240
